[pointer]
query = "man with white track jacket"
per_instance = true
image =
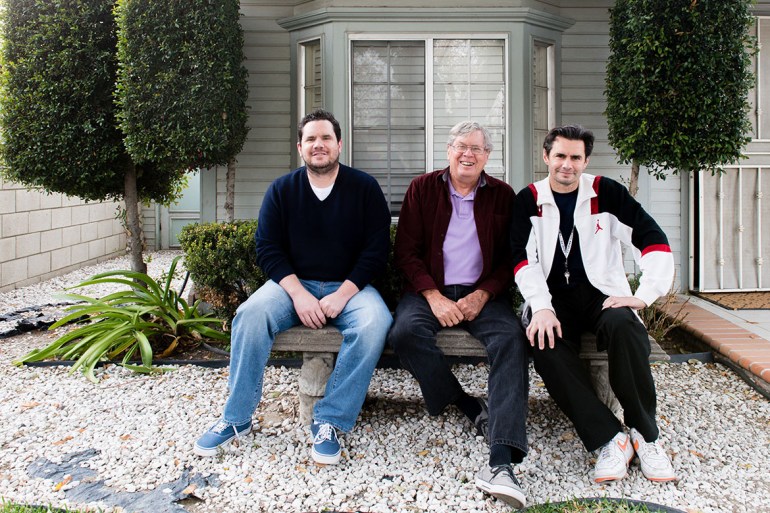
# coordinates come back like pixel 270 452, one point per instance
pixel 567 234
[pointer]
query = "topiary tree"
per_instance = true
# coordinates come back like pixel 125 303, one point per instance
pixel 62 128
pixel 182 86
pixel 677 82
pixel 57 111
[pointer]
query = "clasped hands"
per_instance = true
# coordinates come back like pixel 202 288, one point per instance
pixel 451 313
pixel 313 312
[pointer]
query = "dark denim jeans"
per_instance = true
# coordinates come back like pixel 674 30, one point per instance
pixel 413 338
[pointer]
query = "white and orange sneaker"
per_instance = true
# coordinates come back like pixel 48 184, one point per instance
pixel 614 457
pixel 655 463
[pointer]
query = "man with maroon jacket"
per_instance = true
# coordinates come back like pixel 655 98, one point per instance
pixel 451 246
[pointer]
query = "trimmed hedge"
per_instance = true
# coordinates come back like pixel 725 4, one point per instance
pixel 182 86
pixel 56 105
pixel 222 261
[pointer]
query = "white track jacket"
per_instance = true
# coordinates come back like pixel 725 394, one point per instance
pixel 606 216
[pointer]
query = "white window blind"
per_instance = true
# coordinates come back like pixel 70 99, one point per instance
pixel 758 98
pixel 390 107
pixel 389 113
pixel 469 83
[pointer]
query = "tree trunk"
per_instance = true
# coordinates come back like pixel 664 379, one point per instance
pixel 633 183
pixel 230 191
pixel 133 223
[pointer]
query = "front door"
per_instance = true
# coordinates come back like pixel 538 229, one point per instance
pixel 187 210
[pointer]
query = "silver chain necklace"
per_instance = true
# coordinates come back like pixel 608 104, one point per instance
pixel 566 249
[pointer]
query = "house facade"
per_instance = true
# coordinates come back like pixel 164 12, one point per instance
pixel 399 74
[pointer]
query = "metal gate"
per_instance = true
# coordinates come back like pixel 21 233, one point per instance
pixel 731 230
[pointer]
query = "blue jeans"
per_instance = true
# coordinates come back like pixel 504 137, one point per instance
pixel 364 324
pixel 413 338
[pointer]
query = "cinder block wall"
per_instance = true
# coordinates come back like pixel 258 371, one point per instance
pixel 45 235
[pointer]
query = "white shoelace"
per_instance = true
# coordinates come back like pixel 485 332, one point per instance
pixel 652 449
pixel 222 425
pixel 605 452
pixel 324 433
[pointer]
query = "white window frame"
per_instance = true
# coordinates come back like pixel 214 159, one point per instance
pixel 550 56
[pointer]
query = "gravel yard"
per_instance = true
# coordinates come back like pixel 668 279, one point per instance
pixel 139 432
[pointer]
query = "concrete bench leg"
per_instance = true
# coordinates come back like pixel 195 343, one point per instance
pixel 315 372
pixel 599 370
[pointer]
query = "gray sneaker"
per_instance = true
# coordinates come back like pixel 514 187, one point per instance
pixel 500 482
pixel 482 419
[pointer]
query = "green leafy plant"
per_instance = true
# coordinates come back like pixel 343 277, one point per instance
pixel 148 319
pixel 593 506
pixel 658 324
pixel 222 260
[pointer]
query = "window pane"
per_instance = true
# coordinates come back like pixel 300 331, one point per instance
pixel 389 113
pixel 541 106
pixel 311 80
pixel 468 83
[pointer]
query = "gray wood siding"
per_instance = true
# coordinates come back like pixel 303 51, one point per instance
pixel 268 149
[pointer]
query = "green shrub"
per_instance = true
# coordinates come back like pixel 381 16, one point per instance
pixel 222 261
pixel 390 283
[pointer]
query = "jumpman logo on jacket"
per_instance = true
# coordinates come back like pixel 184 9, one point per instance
pixel 598 227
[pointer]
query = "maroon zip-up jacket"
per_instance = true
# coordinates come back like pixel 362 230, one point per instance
pixel 423 223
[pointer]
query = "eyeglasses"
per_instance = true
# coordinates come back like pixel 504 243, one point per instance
pixel 461 148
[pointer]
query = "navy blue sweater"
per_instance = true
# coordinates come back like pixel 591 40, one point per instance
pixel 346 236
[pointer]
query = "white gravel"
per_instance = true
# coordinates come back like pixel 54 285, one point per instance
pixel 397 459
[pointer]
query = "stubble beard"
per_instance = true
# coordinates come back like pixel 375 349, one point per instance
pixel 324 170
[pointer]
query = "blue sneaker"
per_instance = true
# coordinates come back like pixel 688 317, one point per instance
pixel 326 446
pixel 219 435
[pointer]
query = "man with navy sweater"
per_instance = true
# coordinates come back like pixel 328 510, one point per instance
pixel 323 236
pixel 566 238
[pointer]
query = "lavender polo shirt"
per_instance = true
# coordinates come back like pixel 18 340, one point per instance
pixel 462 251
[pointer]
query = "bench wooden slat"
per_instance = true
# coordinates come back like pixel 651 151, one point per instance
pixel 453 341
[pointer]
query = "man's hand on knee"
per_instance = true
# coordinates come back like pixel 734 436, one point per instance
pixel 620 301
pixel 544 325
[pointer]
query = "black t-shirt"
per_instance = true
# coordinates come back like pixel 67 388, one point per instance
pixel 577 274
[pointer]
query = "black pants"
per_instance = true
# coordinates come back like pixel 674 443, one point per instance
pixel 621 333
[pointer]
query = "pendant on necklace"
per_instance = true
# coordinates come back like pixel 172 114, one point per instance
pixel 566 276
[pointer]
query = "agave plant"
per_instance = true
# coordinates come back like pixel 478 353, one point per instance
pixel 149 319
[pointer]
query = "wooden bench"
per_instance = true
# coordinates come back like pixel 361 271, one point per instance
pixel 319 347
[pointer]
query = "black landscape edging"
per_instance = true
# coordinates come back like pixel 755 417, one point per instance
pixel 705 357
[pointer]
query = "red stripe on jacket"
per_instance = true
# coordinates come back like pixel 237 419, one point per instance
pixel 665 248
pixel 595 199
